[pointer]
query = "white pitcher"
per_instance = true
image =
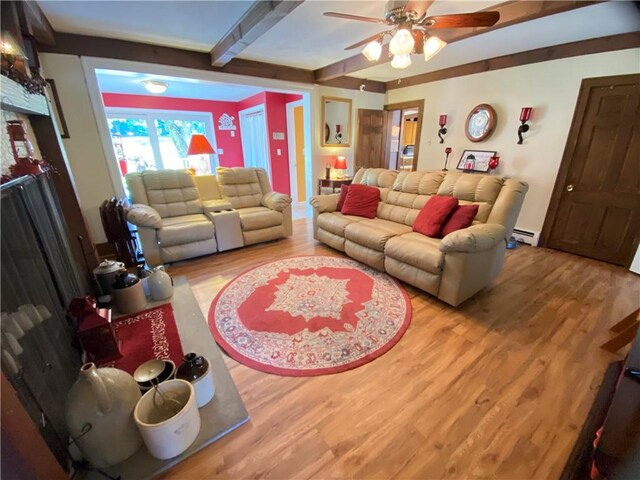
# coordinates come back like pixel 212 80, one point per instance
pixel 160 284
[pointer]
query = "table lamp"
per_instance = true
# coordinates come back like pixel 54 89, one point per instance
pixel 341 164
pixel 199 145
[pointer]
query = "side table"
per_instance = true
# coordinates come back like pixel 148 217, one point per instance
pixel 332 183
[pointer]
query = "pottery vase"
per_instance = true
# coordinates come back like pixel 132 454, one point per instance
pixel 100 415
pixel 160 284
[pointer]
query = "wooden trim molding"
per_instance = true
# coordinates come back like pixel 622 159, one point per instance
pixel 511 13
pixel 611 43
pixel 255 22
pixel 89 46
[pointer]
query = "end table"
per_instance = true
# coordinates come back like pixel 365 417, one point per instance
pixel 332 183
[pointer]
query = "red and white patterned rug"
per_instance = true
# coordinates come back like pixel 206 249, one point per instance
pixel 311 315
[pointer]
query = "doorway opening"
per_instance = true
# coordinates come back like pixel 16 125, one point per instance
pixel 253 125
pixel 403 128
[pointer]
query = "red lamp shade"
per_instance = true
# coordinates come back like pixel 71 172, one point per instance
pixel 341 163
pixel 442 121
pixel 199 145
pixel 525 114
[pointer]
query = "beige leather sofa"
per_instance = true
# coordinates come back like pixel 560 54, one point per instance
pixel 453 268
pixel 182 216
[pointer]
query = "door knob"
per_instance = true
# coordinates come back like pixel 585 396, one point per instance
pixel 569 188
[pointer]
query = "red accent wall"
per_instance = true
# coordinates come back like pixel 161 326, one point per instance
pixel 231 146
pixel 276 112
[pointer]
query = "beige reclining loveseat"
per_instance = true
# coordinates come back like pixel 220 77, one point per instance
pixel 452 268
pixel 179 215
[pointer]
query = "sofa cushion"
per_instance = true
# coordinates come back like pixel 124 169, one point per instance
pixel 185 229
pixel 172 193
pixel 241 186
pixel 432 217
pixel 344 189
pixel 417 250
pixel 479 189
pixel 257 218
pixel 362 201
pixel 336 222
pixel 461 217
pixel 374 233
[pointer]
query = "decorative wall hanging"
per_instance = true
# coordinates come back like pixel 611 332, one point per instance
pixel 481 122
pixel 475 161
pixel 525 115
pixel 226 122
pixel 442 121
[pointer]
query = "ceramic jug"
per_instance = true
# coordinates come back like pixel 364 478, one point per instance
pixel 106 273
pixel 100 415
pixel 160 284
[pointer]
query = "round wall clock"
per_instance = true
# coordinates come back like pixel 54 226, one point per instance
pixel 480 122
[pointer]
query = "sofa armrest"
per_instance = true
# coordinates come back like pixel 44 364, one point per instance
pixel 476 238
pixel 144 216
pixel 276 201
pixel 325 203
pixel 216 205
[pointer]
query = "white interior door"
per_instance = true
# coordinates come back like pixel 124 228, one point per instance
pixel 253 130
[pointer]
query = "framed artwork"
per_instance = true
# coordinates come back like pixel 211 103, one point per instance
pixel 475 160
pixel 56 107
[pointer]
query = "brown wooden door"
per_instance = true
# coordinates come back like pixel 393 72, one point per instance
pixel 595 208
pixel 371 139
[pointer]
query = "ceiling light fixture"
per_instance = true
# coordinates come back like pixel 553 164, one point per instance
pixel 432 46
pixel 372 51
pixel 155 86
pixel 402 42
pixel 401 61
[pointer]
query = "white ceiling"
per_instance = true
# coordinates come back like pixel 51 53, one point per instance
pixel 118 81
pixel 194 25
pixel 307 39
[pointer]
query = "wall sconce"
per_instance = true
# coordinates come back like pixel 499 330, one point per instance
pixel 442 121
pixel 525 115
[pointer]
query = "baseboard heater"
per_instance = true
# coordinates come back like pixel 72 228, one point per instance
pixel 526 236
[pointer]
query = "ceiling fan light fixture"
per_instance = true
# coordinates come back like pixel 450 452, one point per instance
pixel 401 61
pixel 432 46
pixel 402 42
pixel 155 86
pixel 372 51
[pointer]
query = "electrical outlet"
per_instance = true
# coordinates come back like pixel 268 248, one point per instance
pixel 233 133
pixel 279 152
pixel 220 151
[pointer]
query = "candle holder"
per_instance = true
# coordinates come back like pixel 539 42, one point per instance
pixel 525 115
pixel 442 121
pixel 447 151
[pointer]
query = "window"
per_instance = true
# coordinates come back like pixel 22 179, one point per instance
pixel 155 140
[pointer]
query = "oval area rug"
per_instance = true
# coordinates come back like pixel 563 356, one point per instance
pixel 309 315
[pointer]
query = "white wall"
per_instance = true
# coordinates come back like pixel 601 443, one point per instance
pixel 323 155
pixel 551 88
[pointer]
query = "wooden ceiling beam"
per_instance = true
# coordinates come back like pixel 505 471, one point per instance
pixel 611 43
pixel 83 45
pixel 511 13
pixel 35 23
pixel 254 23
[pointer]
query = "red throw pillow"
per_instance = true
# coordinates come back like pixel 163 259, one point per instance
pixel 361 200
pixel 343 195
pixel 462 217
pixel 433 215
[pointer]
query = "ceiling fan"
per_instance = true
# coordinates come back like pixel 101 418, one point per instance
pixel 410 27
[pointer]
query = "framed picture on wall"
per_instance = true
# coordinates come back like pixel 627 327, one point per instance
pixel 56 107
pixel 475 161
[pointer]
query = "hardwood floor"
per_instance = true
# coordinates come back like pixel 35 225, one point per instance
pixel 497 388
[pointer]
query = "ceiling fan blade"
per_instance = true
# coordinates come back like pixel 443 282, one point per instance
pixel 475 19
pixel 419 7
pixel 347 16
pixel 367 40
